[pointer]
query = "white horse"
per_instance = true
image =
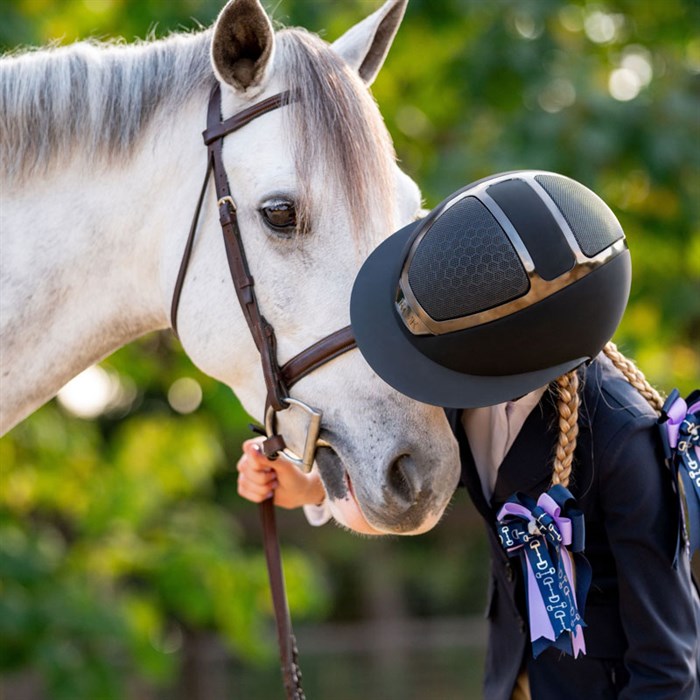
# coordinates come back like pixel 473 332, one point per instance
pixel 102 159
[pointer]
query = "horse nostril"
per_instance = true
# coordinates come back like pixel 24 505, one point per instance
pixel 400 478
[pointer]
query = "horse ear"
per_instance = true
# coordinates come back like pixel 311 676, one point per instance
pixel 365 46
pixel 242 45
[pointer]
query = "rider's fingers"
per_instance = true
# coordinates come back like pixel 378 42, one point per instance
pixel 253 448
pixel 247 444
pixel 259 462
pixel 253 491
pixel 254 472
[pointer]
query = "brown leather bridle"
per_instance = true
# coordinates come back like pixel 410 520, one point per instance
pixel 278 379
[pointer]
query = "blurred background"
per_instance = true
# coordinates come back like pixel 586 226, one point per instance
pixel 130 568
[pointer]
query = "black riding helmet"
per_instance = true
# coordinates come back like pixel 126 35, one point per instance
pixel 506 285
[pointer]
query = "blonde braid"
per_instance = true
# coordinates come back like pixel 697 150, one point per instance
pixel 634 376
pixel 567 404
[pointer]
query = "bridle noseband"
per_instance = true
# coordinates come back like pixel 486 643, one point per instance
pixel 278 379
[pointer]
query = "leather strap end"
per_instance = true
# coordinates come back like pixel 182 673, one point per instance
pixel 272 446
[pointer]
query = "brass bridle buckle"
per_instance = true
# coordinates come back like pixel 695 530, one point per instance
pixel 312 441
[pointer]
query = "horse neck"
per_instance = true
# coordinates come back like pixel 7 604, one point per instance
pixel 82 263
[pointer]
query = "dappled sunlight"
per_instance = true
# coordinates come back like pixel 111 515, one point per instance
pixel 185 395
pixel 96 391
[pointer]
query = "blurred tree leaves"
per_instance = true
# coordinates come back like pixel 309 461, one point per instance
pixel 112 543
pixel 118 536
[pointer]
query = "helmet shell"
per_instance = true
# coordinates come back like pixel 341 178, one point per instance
pixel 504 286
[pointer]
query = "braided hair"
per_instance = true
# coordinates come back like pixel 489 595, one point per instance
pixel 634 376
pixel 567 404
pixel 568 400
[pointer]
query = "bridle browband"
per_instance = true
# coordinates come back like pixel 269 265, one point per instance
pixel 278 379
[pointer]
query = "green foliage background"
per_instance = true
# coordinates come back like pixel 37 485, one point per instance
pixel 123 536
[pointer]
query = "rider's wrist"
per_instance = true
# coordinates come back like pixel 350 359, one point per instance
pixel 317 494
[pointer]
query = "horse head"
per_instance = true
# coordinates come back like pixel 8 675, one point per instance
pixel 316 186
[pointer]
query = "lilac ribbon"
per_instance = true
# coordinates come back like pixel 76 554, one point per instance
pixel 539 533
pixel 680 433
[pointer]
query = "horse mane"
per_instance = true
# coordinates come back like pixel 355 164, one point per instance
pixel 96 96
pixel 101 96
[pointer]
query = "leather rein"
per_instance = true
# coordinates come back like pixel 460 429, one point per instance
pixel 278 379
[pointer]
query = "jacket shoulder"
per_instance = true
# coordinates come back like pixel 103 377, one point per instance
pixel 610 400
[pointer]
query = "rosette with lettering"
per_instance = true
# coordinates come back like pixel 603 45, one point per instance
pixel 548 538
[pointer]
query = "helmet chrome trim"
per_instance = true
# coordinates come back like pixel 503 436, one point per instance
pixel 419 322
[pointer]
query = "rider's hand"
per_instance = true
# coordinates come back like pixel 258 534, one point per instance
pixel 260 478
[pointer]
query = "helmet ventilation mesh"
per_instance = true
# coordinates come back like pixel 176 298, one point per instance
pixel 465 263
pixel 594 226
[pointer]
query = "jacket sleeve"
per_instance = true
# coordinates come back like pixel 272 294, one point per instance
pixel 658 603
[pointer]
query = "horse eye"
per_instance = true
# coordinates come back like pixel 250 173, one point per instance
pixel 280 215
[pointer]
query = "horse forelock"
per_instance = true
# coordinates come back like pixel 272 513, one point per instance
pixel 338 128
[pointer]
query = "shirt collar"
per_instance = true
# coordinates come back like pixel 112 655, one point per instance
pixel 491 432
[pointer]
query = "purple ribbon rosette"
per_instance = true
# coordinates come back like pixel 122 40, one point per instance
pixel 680 434
pixel 548 538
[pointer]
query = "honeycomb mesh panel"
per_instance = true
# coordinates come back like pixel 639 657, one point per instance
pixel 465 264
pixel 594 226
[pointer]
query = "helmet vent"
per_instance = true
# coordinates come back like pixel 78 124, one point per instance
pixel 465 263
pixel 593 224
